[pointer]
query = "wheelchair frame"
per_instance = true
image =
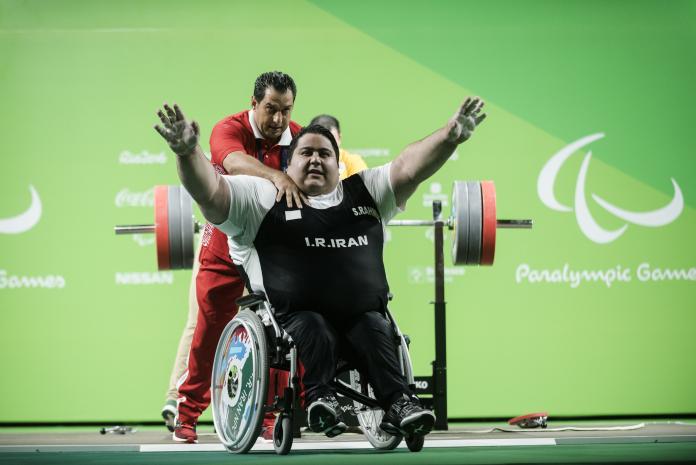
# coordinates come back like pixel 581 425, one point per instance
pixel 239 385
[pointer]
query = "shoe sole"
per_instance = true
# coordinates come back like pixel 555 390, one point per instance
pixel 418 424
pixel 322 414
pixel 335 430
pixel 182 440
pixel 390 429
pixel 169 420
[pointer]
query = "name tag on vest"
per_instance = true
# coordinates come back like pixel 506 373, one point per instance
pixel 293 215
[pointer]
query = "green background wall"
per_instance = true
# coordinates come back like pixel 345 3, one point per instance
pixel 79 86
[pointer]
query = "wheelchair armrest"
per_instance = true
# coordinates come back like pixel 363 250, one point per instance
pixel 251 299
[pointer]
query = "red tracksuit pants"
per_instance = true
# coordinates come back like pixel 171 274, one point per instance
pixel 218 286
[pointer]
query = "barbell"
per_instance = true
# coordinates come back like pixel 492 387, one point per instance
pixel 473 223
pixel 174 228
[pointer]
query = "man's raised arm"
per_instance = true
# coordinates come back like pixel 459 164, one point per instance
pixel 206 186
pixel 423 158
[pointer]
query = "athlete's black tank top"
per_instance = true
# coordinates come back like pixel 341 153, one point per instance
pixel 325 260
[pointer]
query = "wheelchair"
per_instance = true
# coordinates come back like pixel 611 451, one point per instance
pixel 253 342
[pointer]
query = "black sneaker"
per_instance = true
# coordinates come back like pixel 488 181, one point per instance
pixel 407 417
pixel 323 416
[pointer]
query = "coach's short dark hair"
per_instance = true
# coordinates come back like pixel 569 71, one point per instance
pixel 313 129
pixel 327 121
pixel 276 80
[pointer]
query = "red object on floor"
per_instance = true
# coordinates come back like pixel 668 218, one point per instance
pixel 530 420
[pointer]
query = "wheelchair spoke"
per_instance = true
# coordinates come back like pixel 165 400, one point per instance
pixel 370 418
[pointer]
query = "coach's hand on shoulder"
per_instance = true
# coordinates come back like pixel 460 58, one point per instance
pixel 465 120
pixel 181 135
pixel 288 189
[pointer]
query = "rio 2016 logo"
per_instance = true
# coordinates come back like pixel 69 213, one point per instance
pixel 588 225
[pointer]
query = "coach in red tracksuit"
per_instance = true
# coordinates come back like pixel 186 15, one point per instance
pixel 252 142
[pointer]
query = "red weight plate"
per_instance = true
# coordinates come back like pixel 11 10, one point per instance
pixel 489 222
pixel 162 227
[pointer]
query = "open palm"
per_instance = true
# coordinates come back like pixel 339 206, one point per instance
pixel 181 135
pixel 465 120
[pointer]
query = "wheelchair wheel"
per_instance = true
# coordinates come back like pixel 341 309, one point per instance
pixel 240 382
pixel 282 434
pixel 415 443
pixel 370 418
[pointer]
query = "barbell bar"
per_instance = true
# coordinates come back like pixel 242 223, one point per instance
pixel 500 224
pixel 473 223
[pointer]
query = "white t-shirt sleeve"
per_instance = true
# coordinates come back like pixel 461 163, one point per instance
pixel 250 199
pixel 378 183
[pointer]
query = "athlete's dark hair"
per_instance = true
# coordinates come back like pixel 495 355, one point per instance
pixel 276 80
pixel 327 121
pixel 313 129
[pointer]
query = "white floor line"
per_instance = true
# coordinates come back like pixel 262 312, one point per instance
pixel 181 447
pixel 489 442
pixel 338 445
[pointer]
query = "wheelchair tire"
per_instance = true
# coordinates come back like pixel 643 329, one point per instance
pixel 415 443
pixel 282 434
pixel 240 382
pixel 370 418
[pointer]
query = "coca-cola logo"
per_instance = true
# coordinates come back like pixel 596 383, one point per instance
pixel 144 240
pixel 126 198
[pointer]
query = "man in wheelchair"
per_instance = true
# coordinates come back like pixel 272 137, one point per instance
pixel 321 266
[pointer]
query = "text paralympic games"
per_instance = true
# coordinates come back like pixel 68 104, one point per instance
pixel 644 272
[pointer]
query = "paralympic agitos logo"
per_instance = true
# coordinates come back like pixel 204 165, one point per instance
pixel 25 220
pixel 588 225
